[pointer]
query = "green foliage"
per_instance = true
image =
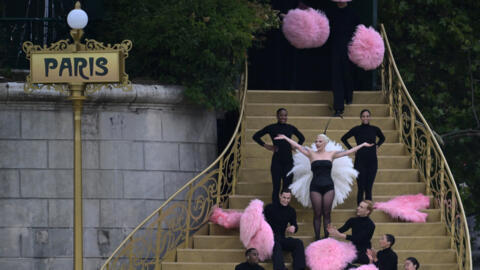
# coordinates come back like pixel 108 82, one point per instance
pixel 436 44
pixel 200 44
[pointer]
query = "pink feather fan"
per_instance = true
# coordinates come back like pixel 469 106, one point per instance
pixel 329 254
pixel 306 28
pixel 229 219
pixel 255 232
pixel 366 48
pixel 406 207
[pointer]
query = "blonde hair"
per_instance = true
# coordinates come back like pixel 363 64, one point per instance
pixel 369 206
pixel 324 137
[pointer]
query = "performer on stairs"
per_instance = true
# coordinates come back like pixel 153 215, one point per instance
pixel 362 231
pixel 385 259
pixel 282 161
pixel 252 261
pixel 366 162
pixel 283 219
pixel 321 186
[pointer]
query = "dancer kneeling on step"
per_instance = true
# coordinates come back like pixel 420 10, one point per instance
pixel 252 261
pixel 283 219
pixel 321 187
pixel 362 231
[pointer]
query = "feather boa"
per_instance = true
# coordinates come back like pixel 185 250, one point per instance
pixel 343 174
pixel 329 254
pixel 406 207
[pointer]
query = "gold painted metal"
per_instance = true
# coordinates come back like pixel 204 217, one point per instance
pixel 77 89
pixel 180 216
pixel 428 157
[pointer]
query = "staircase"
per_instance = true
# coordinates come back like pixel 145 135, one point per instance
pixel 217 248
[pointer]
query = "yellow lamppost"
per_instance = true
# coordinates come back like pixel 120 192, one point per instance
pixel 77 69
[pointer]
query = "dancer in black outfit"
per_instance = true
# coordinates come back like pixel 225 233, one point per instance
pixel 283 218
pixel 322 190
pixel 362 231
pixel 385 259
pixel 343 22
pixel 282 161
pixel 252 261
pixel 366 162
pixel 411 264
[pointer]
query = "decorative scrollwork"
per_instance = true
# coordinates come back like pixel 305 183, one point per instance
pixel 427 157
pixel 28 47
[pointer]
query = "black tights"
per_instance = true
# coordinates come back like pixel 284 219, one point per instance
pixel 322 206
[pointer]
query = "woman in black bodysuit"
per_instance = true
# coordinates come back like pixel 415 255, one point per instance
pixel 322 187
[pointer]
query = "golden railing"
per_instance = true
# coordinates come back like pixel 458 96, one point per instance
pixel 186 211
pixel 426 156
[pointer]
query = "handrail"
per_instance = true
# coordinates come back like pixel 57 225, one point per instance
pixel 173 222
pixel 427 156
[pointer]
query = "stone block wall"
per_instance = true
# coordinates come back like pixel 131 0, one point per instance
pixel 139 147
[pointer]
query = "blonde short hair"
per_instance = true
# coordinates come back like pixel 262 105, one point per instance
pixel 369 206
pixel 324 137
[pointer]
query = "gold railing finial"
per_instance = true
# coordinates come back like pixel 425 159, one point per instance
pixel 78 5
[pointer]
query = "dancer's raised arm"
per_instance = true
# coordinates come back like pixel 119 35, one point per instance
pixel 294 144
pixel 352 150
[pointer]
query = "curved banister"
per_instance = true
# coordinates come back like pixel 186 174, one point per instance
pixel 427 156
pixel 225 169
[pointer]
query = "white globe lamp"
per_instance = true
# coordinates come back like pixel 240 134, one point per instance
pixel 77 18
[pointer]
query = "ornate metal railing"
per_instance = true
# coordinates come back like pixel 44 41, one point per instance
pixel 186 211
pixel 427 157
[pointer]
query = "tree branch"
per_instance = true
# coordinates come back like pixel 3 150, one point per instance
pixel 462 133
pixel 472 89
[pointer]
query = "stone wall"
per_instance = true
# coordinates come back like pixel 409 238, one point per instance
pixel 139 147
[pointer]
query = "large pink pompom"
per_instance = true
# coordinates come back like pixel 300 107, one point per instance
pixel 366 49
pixel 255 232
pixel 329 254
pixel 306 28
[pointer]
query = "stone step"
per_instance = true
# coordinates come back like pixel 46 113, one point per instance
pixel 384 162
pixel 315 109
pixel 391 136
pixel 238 255
pixel 382 189
pixel 318 122
pixel 241 201
pixel 305 215
pixel 269 266
pixel 311 97
pixel 401 242
pixel 383 175
pixel 381 228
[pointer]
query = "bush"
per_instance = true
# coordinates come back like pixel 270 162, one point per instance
pixel 200 44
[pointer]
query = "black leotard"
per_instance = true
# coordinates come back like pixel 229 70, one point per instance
pixel 322 180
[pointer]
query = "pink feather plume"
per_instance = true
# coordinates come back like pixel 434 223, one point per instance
pixel 406 207
pixel 229 219
pixel 255 232
pixel 366 49
pixel 329 254
pixel 306 28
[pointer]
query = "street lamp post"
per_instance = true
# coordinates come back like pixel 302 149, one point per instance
pixel 77 69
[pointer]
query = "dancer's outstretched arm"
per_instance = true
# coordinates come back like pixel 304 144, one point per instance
pixel 352 150
pixel 294 144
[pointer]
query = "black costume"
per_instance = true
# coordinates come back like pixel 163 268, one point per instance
pixel 247 266
pixel 279 216
pixel 322 180
pixel 366 162
pixel 387 260
pixel 343 22
pixel 362 232
pixel 282 161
